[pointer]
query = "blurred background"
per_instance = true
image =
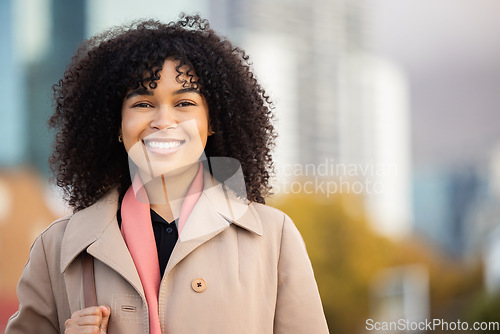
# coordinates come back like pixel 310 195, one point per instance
pixel 388 157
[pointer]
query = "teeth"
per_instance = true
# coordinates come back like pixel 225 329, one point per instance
pixel 163 145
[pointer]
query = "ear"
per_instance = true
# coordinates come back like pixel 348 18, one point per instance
pixel 210 131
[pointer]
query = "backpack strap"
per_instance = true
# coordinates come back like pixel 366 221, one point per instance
pixel 88 277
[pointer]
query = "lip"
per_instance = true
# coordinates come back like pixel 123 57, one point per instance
pixel 163 146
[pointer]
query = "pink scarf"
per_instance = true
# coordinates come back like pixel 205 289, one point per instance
pixel 137 231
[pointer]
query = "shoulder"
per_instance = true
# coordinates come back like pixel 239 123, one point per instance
pixel 57 226
pixel 79 226
pixel 269 214
pixel 53 234
pixel 45 250
pixel 273 219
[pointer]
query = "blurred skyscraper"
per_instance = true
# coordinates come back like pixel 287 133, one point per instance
pixel 67 27
pixel 483 224
pixel 445 200
pixel 301 51
pixel 38 39
pixel 336 104
pixel 13 132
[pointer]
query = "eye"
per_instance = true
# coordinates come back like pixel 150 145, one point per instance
pixel 185 104
pixel 142 105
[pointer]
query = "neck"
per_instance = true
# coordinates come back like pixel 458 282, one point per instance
pixel 167 191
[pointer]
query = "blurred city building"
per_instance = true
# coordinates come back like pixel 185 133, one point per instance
pixel 401 293
pixel 483 224
pixel 65 34
pixel 301 50
pixel 491 258
pixel 337 106
pixel 13 132
pixel 491 227
pixel 444 200
pixel 38 40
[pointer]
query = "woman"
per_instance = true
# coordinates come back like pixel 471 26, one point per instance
pixel 163 150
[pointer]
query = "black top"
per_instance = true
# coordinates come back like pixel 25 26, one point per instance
pixel 165 235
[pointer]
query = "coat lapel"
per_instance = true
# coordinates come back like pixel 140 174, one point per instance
pixel 216 209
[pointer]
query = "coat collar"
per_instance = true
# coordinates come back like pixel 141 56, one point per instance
pixel 96 228
pixel 216 208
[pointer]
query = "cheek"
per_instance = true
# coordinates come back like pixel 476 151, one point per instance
pixel 202 126
pixel 130 131
pixel 203 123
pixel 203 131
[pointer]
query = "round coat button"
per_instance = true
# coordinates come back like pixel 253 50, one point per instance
pixel 199 285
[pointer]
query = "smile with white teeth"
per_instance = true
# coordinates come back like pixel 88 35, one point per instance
pixel 163 144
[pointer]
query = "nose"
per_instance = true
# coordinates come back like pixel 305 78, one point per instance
pixel 163 118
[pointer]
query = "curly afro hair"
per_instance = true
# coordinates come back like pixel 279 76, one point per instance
pixel 88 160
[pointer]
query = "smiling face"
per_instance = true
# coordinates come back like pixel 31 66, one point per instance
pixel 165 129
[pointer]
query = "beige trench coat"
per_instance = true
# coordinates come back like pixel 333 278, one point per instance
pixel 258 276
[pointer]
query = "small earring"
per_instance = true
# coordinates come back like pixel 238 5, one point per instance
pixel 210 132
pixel 120 138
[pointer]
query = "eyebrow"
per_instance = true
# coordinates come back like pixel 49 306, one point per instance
pixel 142 91
pixel 139 91
pixel 187 90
